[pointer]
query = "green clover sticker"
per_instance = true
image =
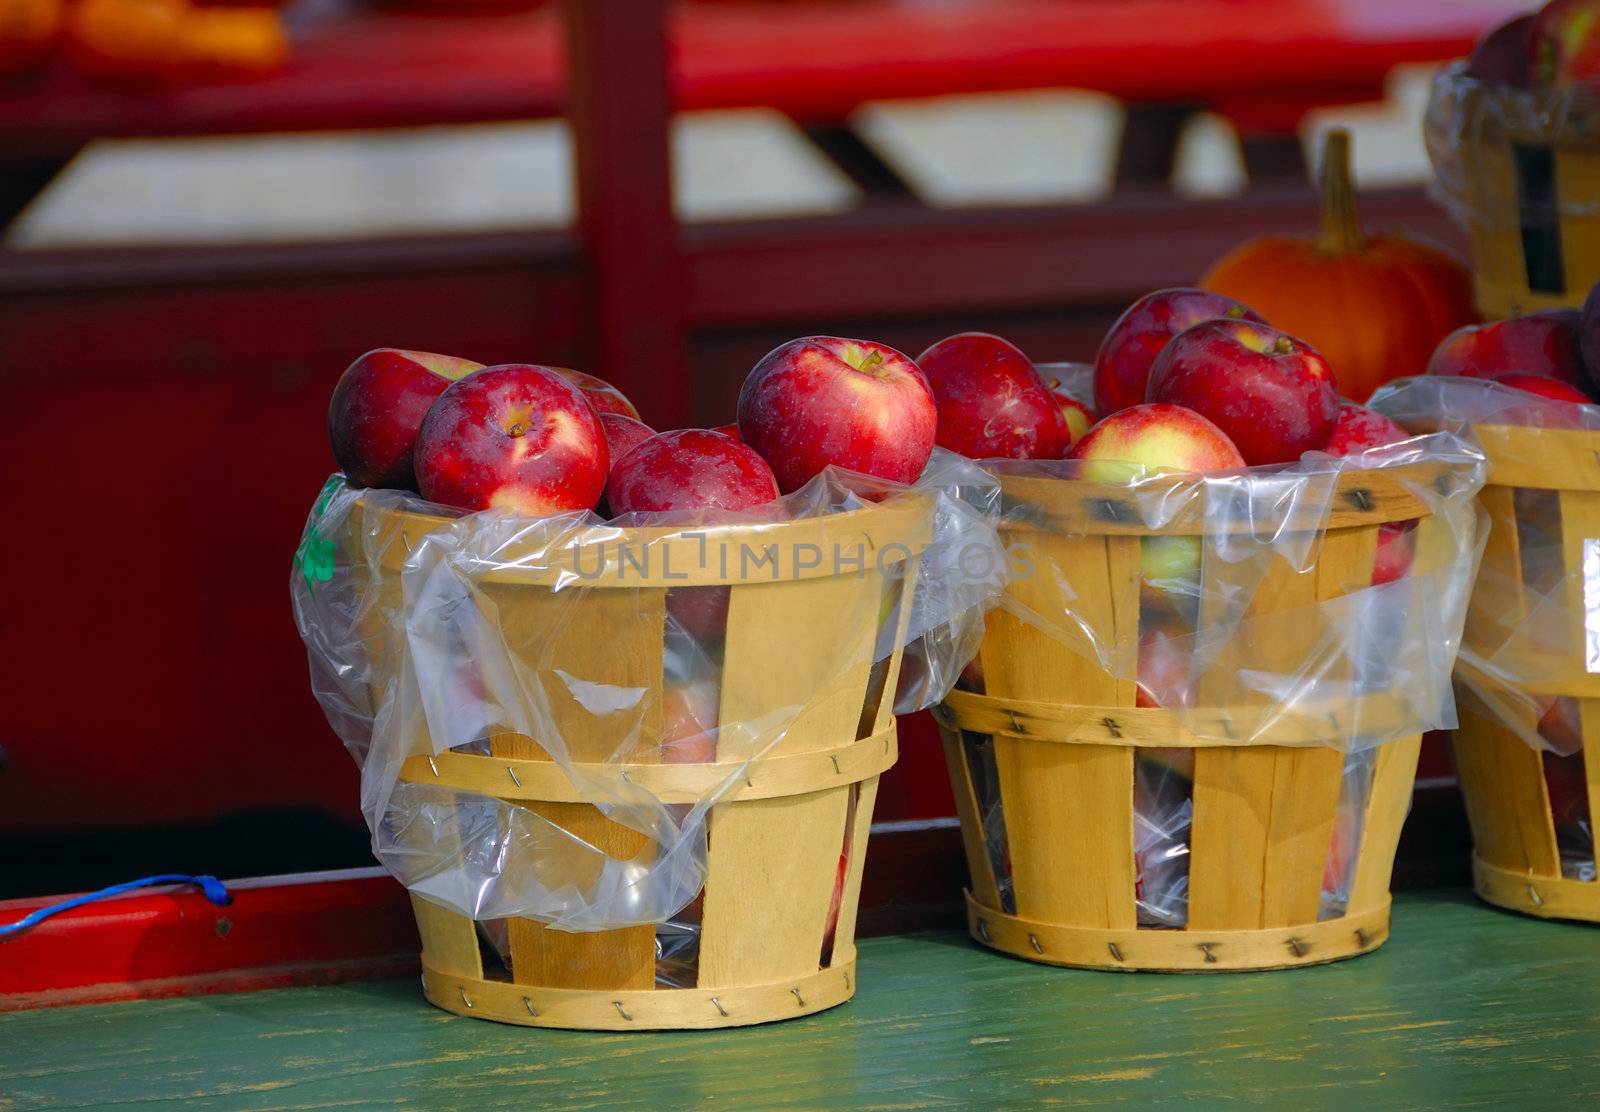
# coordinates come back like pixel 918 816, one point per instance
pixel 315 554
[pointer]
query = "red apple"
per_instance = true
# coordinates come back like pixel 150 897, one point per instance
pixel 1360 428
pixel 992 404
pixel 1165 653
pixel 1552 388
pixel 1564 43
pixel 855 404
pixel 1589 334
pixel 692 469
pixel 623 434
pixel 514 437
pixel 1544 343
pixel 605 397
pixel 378 406
pixel 1273 395
pixel 1146 438
pixel 689 713
pixel 1122 367
pixel 1503 56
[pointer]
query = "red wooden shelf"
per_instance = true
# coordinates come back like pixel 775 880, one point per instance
pixel 1264 61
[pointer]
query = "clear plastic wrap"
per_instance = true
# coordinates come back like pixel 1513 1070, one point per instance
pixel 1532 643
pixel 610 648
pixel 1264 615
pixel 1470 129
pixel 1201 642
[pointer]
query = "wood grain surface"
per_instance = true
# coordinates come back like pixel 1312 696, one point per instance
pixel 1465 1007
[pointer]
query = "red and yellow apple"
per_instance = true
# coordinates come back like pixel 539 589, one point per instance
pixel 855 404
pixel 1564 43
pixel 1129 350
pixel 515 437
pixel 1274 396
pixel 1156 437
pixel 991 403
pixel 377 408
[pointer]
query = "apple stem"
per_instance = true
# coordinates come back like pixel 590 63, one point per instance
pixel 1341 227
pixel 872 360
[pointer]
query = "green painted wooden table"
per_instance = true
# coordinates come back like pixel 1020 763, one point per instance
pixel 1465 1007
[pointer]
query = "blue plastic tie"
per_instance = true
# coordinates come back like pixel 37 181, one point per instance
pixel 209 886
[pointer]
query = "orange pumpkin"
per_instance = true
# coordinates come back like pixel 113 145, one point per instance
pixel 27 31
pixel 229 40
pixel 1375 306
pixel 125 40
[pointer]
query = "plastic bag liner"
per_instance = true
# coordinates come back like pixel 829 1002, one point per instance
pixel 1491 145
pixel 1243 634
pixel 430 632
pixel 1535 619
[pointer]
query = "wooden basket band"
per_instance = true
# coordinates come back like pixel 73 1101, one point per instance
pixel 1180 950
pixel 779 774
pixel 1541 459
pixel 851 542
pixel 639 1009
pixel 1371 496
pixel 1550 897
pixel 1322 723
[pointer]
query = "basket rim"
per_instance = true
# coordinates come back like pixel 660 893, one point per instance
pixel 673 556
pixel 1361 496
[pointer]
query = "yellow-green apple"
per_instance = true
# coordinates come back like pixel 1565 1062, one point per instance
pixel 1565 43
pixel 1273 395
pixel 1154 437
pixel 823 400
pixel 992 404
pixel 1502 57
pixel 1129 350
pixel 514 437
pixel 1543 343
pixel 378 406
pixel 605 397
pixel 1079 417
pixel 690 469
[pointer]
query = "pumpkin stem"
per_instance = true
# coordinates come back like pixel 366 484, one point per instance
pixel 1341 227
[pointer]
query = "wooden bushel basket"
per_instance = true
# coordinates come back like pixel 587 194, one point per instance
pixel 1516 859
pixel 778 842
pixel 1064 733
pixel 1530 181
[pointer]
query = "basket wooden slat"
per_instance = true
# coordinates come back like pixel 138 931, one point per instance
pixel 792 636
pixel 1054 876
pixel 1517 857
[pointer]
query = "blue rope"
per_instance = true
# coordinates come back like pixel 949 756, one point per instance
pixel 210 887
